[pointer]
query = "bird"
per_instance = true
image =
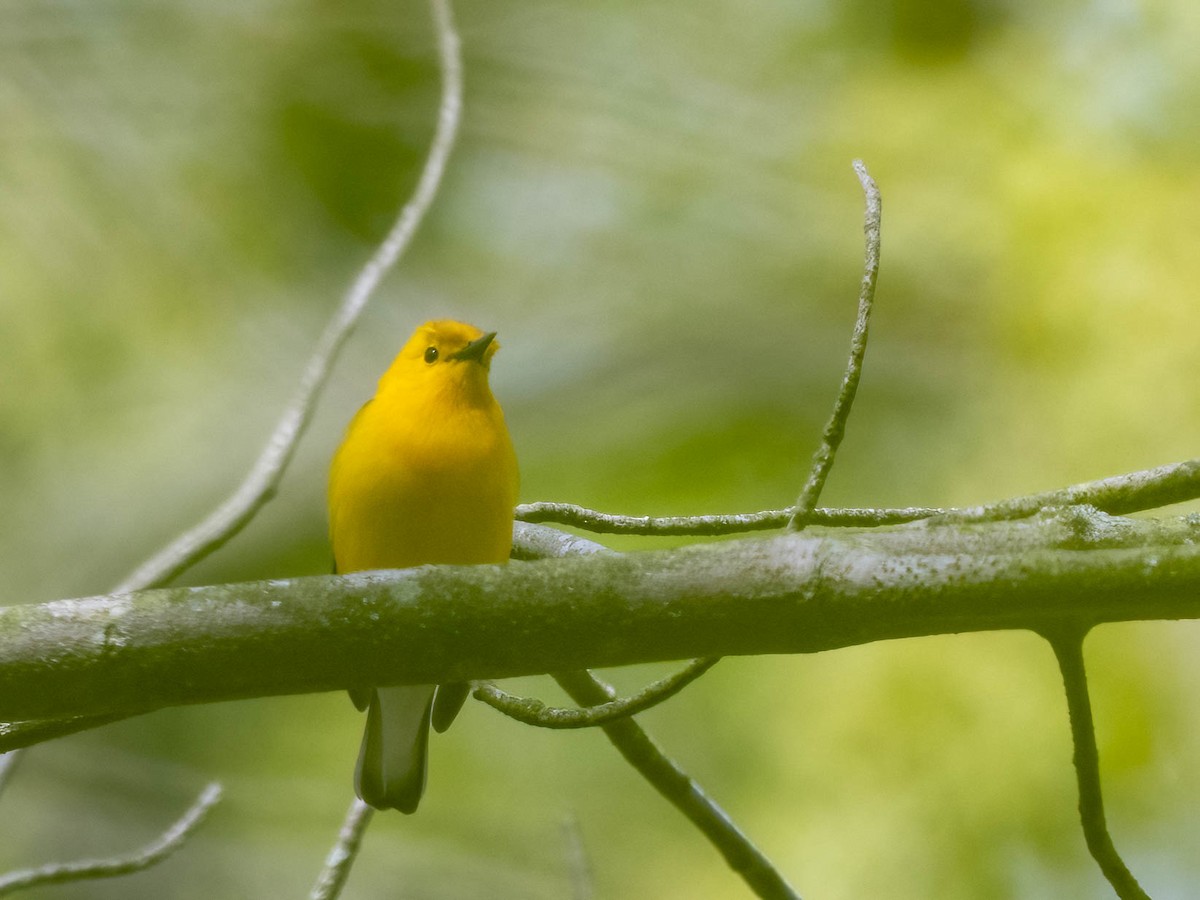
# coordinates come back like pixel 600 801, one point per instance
pixel 426 473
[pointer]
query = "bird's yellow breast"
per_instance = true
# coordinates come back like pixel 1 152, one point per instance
pixel 426 474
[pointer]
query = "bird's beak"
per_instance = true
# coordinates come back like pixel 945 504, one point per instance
pixel 476 348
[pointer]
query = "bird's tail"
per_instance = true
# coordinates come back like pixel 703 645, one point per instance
pixel 392 759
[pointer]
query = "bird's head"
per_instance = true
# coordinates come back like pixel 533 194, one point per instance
pixel 445 356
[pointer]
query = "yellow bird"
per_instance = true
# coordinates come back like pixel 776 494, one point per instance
pixel 425 474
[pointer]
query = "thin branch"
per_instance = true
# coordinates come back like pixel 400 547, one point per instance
pixel 343 853
pixel 1068 649
pixel 1117 495
pixel 804 512
pixel 154 852
pixel 701 526
pixel 263 479
pixel 534 712
pixel 680 790
pixel 835 429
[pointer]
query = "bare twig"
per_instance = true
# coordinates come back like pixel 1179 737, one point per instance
pixel 260 484
pixel 1068 649
pixel 534 712
pixel 154 852
pixel 677 787
pixel 700 526
pixel 1117 495
pixel 835 428
pixel 805 511
pixel 343 853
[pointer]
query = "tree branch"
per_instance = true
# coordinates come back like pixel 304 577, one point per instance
pixel 531 711
pixel 792 593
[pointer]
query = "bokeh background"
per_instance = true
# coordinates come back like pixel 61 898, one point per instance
pixel 653 204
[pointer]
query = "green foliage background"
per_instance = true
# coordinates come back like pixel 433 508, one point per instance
pixel 653 205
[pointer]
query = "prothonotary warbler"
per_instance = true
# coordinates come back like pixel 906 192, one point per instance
pixel 425 474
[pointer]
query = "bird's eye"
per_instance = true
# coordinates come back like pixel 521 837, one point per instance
pixel 431 354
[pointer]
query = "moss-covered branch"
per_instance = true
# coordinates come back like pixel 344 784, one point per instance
pixel 792 593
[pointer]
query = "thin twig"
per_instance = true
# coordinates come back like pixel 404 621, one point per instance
pixel 154 852
pixel 342 855
pixel 534 712
pixel 1068 649
pixel 677 787
pixel 263 479
pixel 835 428
pixel 1116 495
pixel 805 511
pixel 734 523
